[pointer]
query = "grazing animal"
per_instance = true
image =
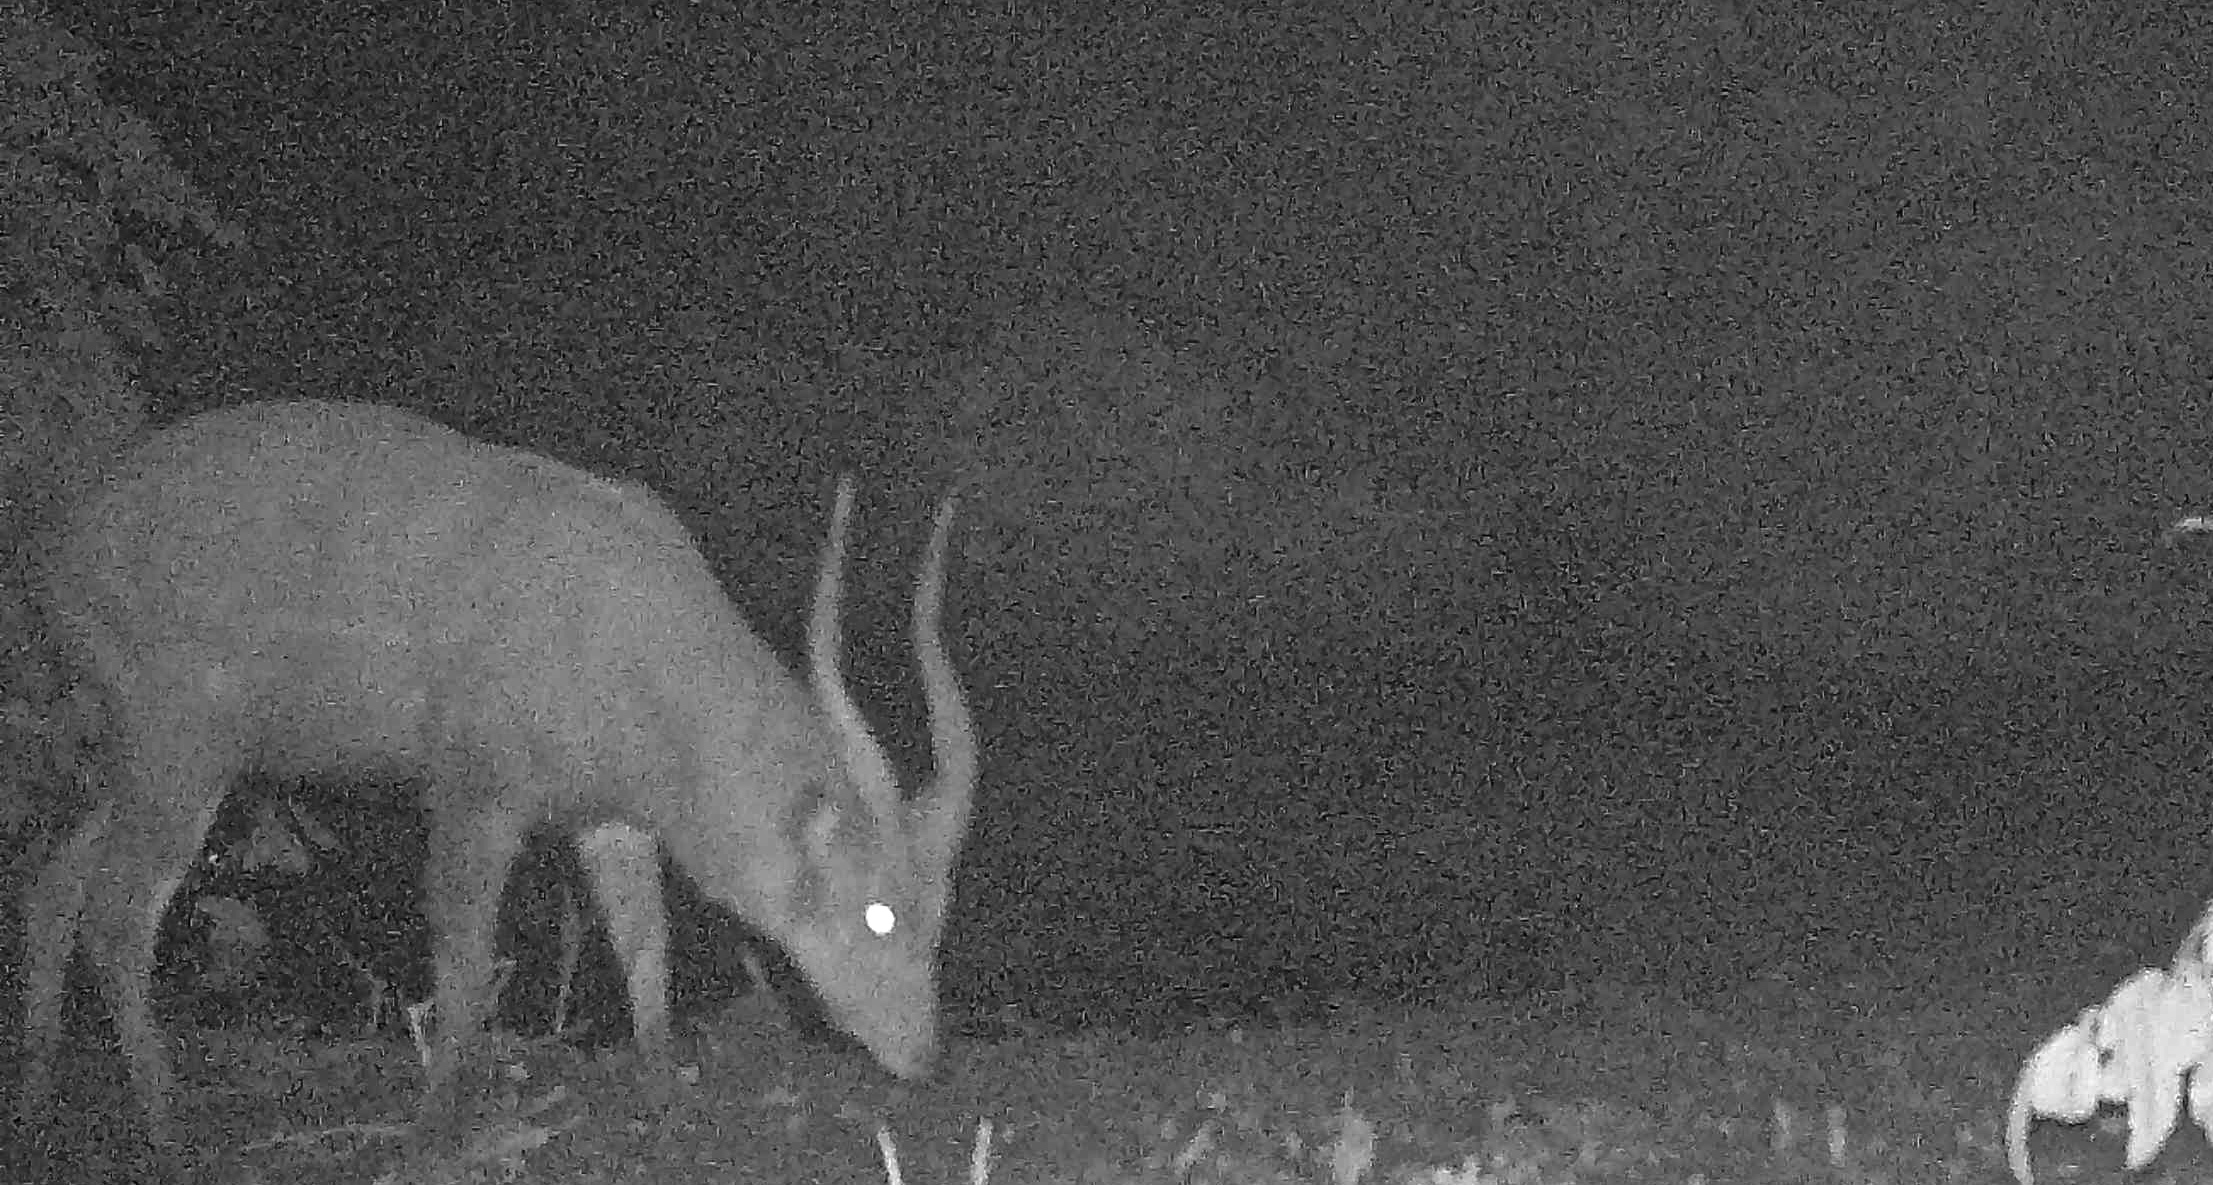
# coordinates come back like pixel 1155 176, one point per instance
pixel 352 593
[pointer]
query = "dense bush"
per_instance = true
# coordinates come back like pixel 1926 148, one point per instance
pixel 91 214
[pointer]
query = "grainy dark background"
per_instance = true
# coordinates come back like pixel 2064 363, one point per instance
pixel 1457 499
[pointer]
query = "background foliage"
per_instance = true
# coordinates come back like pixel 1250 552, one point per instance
pixel 92 212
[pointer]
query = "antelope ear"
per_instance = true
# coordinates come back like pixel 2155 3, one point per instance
pixel 810 831
pixel 822 830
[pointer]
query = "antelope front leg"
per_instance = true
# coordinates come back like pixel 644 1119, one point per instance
pixel 625 867
pixel 464 874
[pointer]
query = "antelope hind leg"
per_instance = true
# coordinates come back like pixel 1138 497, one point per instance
pixel 51 908
pixel 152 840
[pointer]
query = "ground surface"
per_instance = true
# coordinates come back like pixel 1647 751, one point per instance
pixel 1782 1081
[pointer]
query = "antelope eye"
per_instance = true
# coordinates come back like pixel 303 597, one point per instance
pixel 881 921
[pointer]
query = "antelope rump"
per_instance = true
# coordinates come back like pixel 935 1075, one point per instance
pixel 348 592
